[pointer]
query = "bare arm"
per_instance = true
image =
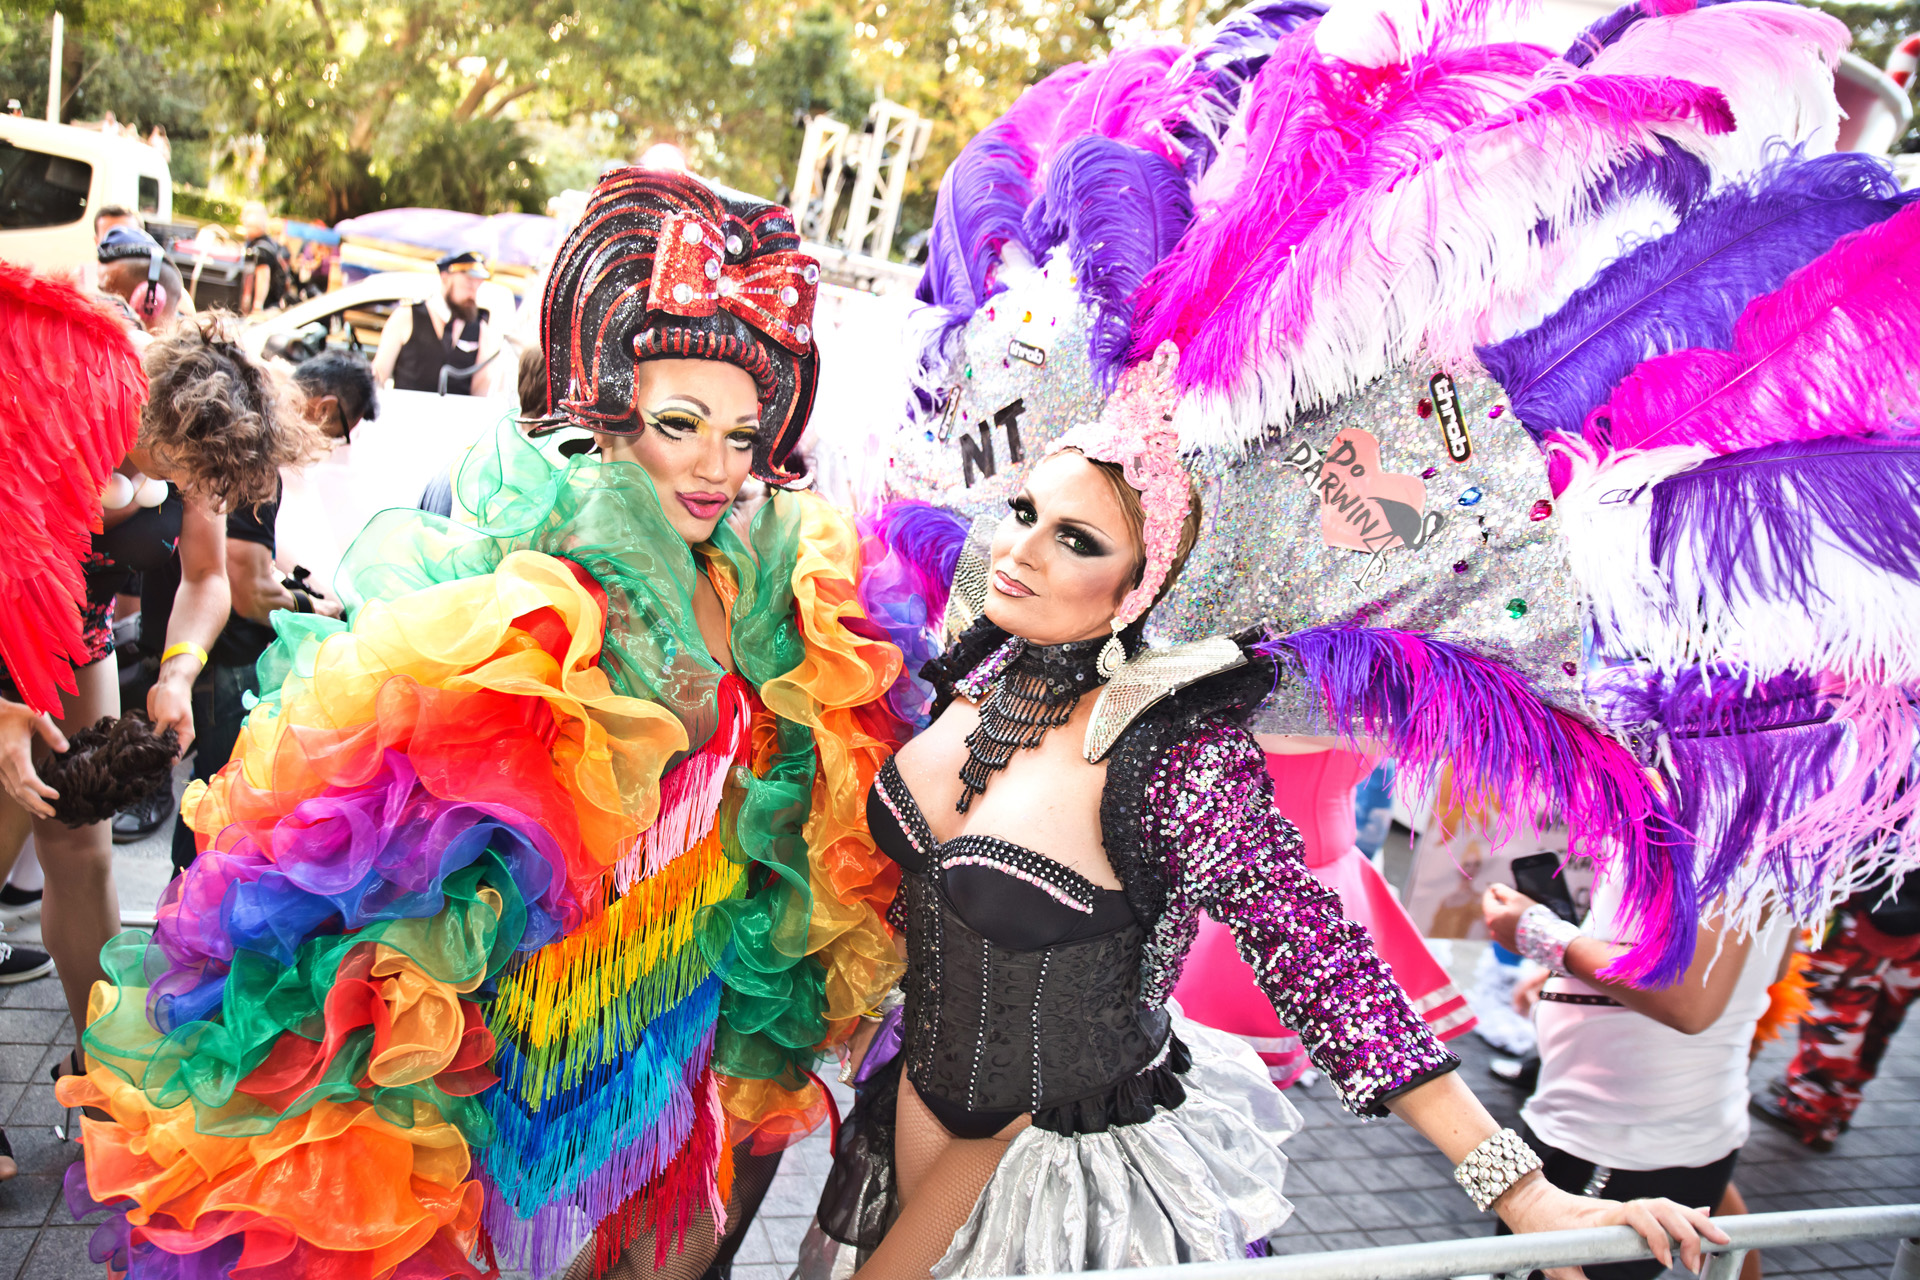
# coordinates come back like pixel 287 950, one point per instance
pixel 255 583
pixel 399 328
pixel 1689 1006
pixel 258 589
pixel 199 614
pixel 489 343
pixel 1446 1113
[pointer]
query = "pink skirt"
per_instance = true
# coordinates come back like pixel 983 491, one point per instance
pixel 1217 987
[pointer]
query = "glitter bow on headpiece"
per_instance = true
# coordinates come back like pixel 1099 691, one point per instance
pixel 773 292
pixel 1135 433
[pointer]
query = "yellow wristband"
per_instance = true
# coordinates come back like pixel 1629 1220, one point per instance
pixel 185 646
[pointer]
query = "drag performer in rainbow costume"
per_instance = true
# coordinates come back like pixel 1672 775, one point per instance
pixel 517 914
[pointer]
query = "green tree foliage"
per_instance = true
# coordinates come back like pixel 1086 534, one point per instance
pixel 108 67
pixel 364 104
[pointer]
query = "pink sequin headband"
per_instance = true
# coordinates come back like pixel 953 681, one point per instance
pixel 1135 433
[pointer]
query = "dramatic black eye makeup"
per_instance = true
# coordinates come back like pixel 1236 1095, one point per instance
pixel 1076 538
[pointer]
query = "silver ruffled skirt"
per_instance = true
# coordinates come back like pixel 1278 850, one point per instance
pixel 1199 1183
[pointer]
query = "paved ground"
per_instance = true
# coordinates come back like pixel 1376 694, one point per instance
pixel 1353 1185
pixel 1356 1185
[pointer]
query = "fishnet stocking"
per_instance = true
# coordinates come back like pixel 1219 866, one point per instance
pixel 701 1253
pixel 941 1178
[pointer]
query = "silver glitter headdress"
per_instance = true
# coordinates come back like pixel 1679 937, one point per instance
pixel 1417 504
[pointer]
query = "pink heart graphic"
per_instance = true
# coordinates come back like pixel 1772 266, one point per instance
pixel 1364 507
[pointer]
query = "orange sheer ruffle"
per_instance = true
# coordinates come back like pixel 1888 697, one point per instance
pixel 341 1178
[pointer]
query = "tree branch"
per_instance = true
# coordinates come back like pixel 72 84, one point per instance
pixel 326 24
pixel 483 84
pixel 493 112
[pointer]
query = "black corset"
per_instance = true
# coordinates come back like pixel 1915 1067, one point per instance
pixel 993 1033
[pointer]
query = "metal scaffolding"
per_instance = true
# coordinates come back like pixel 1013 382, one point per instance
pixel 876 159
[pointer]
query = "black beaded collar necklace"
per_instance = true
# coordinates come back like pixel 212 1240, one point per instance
pixel 1022 691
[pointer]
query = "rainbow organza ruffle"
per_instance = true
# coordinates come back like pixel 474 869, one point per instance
pixel 513 910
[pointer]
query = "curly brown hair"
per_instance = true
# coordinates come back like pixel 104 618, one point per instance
pixel 220 420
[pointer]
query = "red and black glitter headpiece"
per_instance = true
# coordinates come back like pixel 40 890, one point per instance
pixel 664 266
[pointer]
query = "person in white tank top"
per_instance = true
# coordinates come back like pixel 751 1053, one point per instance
pixel 1640 1089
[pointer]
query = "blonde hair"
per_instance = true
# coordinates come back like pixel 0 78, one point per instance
pixel 1136 518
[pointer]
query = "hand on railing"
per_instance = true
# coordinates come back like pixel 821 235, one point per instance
pixel 1534 1204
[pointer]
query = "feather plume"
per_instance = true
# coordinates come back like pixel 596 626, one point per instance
pixel 1614 25
pixel 1127 97
pixel 1380 33
pixel 1118 210
pixel 1640 200
pixel 1439 703
pixel 1687 289
pixel 1423 252
pixel 71 388
pixel 1835 351
pixel 1603 514
pixel 1774 62
pixel 907 552
pixel 985 193
pixel 1799 791
pixel 1220 66
pixel 1798 556
pixel 1317 136
pixel 982 200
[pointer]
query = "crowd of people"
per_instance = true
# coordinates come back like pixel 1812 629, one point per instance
pixel 531 866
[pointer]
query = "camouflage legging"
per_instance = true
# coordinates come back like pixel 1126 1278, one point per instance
pixel 1860 993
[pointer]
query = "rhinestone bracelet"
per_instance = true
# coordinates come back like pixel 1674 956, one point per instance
pixel 1491 1168
pixel 1543 936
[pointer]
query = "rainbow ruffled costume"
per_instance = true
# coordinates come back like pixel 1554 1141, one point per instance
pixel 513 911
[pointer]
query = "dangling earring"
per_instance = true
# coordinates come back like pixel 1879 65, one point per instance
pixel 1113 654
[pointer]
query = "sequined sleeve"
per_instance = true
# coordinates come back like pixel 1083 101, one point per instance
pixel 1210 815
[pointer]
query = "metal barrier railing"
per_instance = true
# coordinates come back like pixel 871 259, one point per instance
pixel 1497 1255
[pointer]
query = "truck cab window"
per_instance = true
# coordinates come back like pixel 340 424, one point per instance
pixel 41 190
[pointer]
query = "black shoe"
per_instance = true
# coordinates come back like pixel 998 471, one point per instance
pixel 23 964
pixel 18 906
pixel 1521 1073
pixel 142 818
pixel 1767 1107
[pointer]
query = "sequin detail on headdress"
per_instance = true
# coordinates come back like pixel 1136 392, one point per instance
pixel 1136 434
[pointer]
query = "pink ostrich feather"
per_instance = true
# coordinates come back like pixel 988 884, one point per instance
pixel 1317 133
pixel 1421 244
pixel 1773 61
pixel 1835 351
pixel 1130 98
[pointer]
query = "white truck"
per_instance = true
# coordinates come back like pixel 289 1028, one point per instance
pixel 55 177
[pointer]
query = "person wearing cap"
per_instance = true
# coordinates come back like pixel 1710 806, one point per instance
pixel 134 271
pixel 449 331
